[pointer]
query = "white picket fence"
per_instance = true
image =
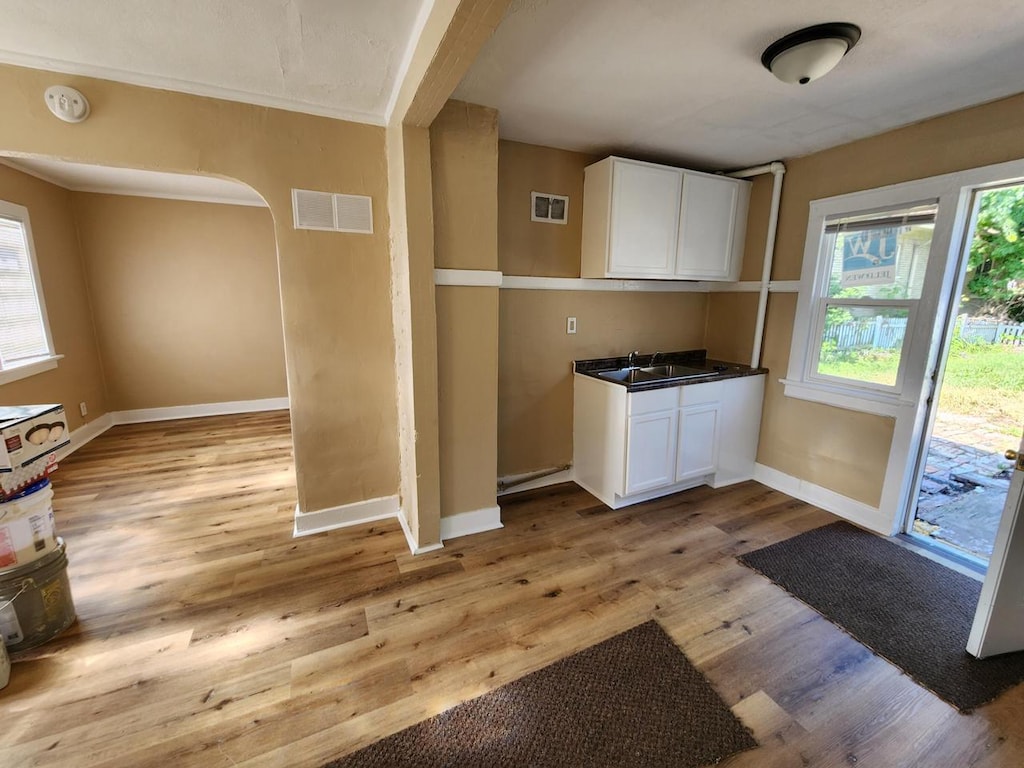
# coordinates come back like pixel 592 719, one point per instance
pixel 888 332
pixel 989 331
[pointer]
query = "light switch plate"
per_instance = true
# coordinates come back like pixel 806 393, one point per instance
pixel 570 325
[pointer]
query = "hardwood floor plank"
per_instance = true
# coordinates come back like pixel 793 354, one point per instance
pixel 208 636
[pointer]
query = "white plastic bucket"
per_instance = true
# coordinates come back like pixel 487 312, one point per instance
pixel 27 528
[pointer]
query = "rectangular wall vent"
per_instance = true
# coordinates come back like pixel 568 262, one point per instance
pixel 332 212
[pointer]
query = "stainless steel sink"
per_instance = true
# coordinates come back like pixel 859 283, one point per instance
pixel 653 373
pixel 629 375
pixel 676 371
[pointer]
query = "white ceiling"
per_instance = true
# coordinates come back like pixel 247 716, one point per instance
pixel 662 79
pixel 683 81
pixel 82 177
pixel 340 58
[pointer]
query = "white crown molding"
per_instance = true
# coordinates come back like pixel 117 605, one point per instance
pixel 195 411
pixel 468 523
pixel 184 86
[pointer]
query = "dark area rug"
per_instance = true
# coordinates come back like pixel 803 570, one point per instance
pixel 634 700
pixel 906 608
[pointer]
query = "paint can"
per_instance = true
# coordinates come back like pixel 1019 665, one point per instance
pixel 38 601
pixel 27 529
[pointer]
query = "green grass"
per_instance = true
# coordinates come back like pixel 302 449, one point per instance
pixel 982 380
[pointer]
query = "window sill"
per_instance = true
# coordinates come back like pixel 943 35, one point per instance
pixel 29 369
pixel 865 401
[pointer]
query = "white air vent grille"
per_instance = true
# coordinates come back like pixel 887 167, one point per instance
pixel 332 212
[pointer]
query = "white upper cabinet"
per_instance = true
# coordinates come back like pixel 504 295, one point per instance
pixel 642 220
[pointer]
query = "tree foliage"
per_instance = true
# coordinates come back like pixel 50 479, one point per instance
pixel 996 262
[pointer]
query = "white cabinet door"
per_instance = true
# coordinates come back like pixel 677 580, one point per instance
pixel 644 220
pixel 697 442
pixel 707 228
pixel 650 451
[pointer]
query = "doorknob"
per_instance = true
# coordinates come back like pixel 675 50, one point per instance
pixel 1010 454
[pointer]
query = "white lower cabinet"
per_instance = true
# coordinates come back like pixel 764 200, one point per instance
pixel 651 451
pixel 697 442
pixel 634 446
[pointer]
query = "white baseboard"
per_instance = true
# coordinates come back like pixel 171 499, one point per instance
pixel 413 547
pixel 564 476
pixel 368 511
pixel 855 511
pixel 203 409
pixel 84 434
pixel 468 523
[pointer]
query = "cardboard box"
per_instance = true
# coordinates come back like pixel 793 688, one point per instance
pixel 30 436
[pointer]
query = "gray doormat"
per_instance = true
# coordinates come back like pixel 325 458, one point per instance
pixel 634 700
pixel 906 608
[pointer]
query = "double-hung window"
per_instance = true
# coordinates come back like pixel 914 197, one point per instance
pixel 26 346
pixel 873 270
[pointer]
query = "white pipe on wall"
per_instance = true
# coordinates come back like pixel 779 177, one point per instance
pixel 778 170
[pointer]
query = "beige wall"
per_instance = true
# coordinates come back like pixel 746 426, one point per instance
pixel 467 362
pixel 185 300
pixel 78 377
pixel 335 288
pixel 464 164
pixel 464 168
pixel 843 450
pixel 536 354
pixel 528 247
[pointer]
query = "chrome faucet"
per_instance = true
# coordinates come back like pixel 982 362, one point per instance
pixel 654 358
pixel 631 358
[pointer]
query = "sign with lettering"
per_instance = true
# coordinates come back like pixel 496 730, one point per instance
pixel 869 257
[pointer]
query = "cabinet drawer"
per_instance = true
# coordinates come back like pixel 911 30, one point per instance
pixel 655 400
pixel 693 394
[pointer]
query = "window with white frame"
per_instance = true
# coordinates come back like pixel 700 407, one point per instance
pixel 873 269
pixel 24 331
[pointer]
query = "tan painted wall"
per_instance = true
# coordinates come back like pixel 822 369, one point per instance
pixel 843 450
pixel 467 360
pixel 336 291
pixel 536 354
pixel 185 299
pixel 464 163
pixel 464 175
pixel 78 377
pixel 528 247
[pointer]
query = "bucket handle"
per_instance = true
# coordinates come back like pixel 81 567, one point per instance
pixel 24 585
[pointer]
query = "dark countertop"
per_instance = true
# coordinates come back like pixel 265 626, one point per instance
pixel 718 370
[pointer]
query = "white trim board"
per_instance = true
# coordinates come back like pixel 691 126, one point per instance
pixel 345 515
pixel 468 523
pixel 468 277
pixel 411 540
pixel 203 409
pixel 850 509
pixel 84 434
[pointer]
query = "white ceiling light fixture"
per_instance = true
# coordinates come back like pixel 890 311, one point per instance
pixel 67 103
pixel 807 54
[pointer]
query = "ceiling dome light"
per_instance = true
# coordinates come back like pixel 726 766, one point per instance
pixel 807 54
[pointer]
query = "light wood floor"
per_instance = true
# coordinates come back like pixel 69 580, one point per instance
pixel 208 636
